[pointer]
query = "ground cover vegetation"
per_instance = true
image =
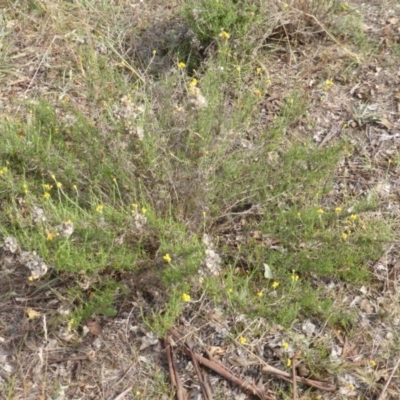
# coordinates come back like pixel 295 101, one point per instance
pixel 228 169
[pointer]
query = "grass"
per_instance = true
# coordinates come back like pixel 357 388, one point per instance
pixel 188 163
pixel 141 168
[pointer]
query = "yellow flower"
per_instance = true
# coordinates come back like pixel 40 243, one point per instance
pixel 344 236
pixel 32 314
pixel 259 71
pixel 258 93
pixel 71 323
pixel 230 290
pixel 338 210
pixel 321 211
pixel 75 187
pixel 53 176
pixel 154 52
pixel 224 35
pixel 285 345
pixel 167 258
pixel 353 217
pixel 181 65
pixel 295 277
pixel 3 170
pixel 99 208
pixel 47 187
pixel 288 362
pixel 285 5
pixel 50 235
pixel 260 294
pixel 238 69
pixel 25 187
pixel 46 195
pixel 59 184
pixel 328 84
pixel 144 210
pixel 372 363
pixel 193 82
pixel 135 206
pixel 242 340
pixel 185 297
pixel 275 284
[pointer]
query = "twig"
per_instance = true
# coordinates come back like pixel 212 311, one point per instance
pixel 288 377
pixel 124 393
pixel 72 358
pixel 219 369
pixel 181 393
pixel 382 395
pixel 294 359
pixel 335 129
pixel 205 388
pixel 169 360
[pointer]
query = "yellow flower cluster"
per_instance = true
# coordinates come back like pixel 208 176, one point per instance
pixel 328 84
pixel 185 297
pixel 275 284
pixel 224 35
pixel 167 258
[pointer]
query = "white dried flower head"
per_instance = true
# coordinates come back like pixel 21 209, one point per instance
pixel 212 262
pixel 139 220
pixel 10 244
pixel 66 229
pixel 38 215
pixel 35 264
pixel 196 98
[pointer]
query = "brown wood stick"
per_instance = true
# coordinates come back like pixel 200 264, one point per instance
pixel 294 359
pixel 310 382
pixel 181 393
pixel 124 393
pixel 205 388
pixel 169 360
pixel 219 369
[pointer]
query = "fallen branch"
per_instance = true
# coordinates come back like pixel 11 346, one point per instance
pixel 205 387
pixel 220 369
pixel 288 377
pixel 181 393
